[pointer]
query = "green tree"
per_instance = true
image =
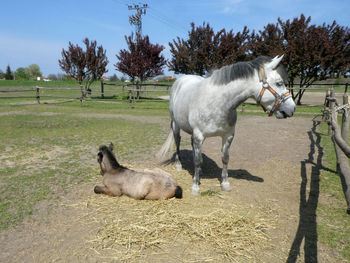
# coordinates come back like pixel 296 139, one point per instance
pixel 114 77
pixel 33 71
pixel 8 74
pixel 2 74
pixel 21 73
pixel 52 77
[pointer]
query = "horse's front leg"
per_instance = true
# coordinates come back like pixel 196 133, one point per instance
pixel 197 141
pixel 226 142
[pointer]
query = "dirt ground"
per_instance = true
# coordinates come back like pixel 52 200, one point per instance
pixel 274 167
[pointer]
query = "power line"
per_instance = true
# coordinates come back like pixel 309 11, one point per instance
pixel 136 19
pixel 156 14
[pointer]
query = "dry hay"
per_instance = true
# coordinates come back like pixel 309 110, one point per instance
pixel 205 228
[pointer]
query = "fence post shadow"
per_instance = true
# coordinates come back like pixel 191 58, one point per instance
pixel 307 228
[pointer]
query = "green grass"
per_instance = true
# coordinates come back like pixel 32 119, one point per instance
pixel 333 222
pixel 46 155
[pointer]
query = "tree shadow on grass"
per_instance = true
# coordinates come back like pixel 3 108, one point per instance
pixel 210 169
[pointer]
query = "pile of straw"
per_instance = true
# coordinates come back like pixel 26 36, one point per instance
pixel 208 226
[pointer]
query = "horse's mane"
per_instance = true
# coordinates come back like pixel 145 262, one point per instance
pixel 242 70
pixel 110 155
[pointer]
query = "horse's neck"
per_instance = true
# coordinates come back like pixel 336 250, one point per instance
pixel 110 163
pixel 238 91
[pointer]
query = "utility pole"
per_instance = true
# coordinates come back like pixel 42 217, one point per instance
pixel 137 18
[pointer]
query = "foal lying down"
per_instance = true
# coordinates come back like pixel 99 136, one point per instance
pixel 153 184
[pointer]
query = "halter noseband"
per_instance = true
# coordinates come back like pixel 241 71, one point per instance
pixel 265 86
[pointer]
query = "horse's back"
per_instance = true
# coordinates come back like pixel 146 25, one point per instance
pixel 182 93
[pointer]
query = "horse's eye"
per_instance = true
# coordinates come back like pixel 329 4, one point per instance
pixel 280 84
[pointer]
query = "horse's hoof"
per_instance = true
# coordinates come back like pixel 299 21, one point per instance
pixel 195 190
pixel 178 167
pixel 98 190
pixel 225 187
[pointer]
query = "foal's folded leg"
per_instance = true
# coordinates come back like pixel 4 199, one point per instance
pixel 103 190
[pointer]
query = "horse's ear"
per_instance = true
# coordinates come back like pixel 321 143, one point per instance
pixel 111 147
pixel 275 62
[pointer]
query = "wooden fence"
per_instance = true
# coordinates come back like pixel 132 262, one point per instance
pixel 340 137
pixel 130 93
pixel 127 92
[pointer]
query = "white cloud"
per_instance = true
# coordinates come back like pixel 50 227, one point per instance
pixel 231 6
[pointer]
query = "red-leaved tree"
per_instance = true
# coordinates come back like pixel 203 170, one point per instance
pixel 205 50
pixel 142 60
pixel 85 66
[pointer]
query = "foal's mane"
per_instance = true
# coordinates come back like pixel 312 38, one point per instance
pixel 110 156
pixel 241 70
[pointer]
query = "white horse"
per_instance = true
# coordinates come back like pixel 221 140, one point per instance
pixel 206 107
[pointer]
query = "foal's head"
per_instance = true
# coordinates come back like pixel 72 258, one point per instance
pixel 106 158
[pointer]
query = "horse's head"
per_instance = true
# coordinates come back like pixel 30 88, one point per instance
pixel 106 158
pixel 274 96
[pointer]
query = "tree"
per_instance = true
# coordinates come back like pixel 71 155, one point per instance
pixel 194 55
pixel 8 74
pixel 142 60
pixel 205 50
pixel 230 47
pixel 267 42
pixel 52 77
pixel 2 74
pixel 33 71
pixel 85 66
pixel 314 52
pixel 114 77
pixel 21 73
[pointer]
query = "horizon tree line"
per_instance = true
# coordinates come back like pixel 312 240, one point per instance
pixel 312 52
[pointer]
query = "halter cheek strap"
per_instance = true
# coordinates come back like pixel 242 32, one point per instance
pixel 265 86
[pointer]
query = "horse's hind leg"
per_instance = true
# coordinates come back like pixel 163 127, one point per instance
pixel 226 142
pixel 197 141
pixel 177 137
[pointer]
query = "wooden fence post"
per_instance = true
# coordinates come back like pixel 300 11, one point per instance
pixel 243 105
pixel 102 90
pixel 38 94
pixel 325 106
pixel 340 139
pixel 130 98
pixel 82 95
pixel 331 108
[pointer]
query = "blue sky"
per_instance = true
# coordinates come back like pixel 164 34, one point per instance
pixel 34 32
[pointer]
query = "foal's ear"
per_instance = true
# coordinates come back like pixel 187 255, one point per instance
pixel 274 63
pixel 111 147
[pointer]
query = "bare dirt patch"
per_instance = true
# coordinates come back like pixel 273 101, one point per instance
pixel 274 168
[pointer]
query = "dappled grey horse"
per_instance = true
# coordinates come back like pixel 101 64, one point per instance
pixel 206 107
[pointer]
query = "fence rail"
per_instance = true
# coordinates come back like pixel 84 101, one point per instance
pixel 128 92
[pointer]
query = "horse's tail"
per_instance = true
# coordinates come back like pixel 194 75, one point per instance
pixel 166 146
pixel 178 192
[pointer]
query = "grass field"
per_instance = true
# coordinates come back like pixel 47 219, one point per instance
pixel 46 149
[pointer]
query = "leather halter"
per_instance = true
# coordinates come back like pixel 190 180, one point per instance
pixel 265 86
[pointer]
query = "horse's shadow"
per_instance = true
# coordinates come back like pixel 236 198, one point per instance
pixel 210 169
